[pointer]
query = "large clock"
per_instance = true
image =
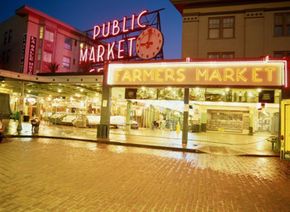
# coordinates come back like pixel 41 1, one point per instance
pixel 149 43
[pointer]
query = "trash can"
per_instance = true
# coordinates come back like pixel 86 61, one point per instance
pixel 102 131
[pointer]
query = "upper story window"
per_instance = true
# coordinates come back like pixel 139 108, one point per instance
pixel 282 24
pixel 10 36
pixel 281 54
pixel 68 43
pixel 220 55
pixel 66 62
pixel 5 38
pixel 221 27
pixel 47 57
pixel 49 36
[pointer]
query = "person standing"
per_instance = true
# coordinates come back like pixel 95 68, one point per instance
pixel 1 130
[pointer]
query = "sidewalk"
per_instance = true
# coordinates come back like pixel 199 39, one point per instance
pixel 209 142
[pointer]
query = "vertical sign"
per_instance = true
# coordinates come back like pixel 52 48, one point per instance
pixel 31 55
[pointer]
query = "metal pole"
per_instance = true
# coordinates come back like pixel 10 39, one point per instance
pixel 21 108
pixel 185 117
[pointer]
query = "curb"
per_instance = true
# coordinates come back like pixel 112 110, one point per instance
pixel 148 146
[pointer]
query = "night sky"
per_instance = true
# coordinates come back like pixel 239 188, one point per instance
pixel 84 14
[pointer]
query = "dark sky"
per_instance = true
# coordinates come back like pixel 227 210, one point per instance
pixel 84 14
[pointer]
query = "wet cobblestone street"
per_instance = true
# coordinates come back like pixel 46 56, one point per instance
pixel 63 175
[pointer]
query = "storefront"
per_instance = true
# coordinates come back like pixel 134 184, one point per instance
pixel 238 97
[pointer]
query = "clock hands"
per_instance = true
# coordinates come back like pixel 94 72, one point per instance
pixel 148 43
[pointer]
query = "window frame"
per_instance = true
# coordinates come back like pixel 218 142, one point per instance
pixel 48 34
pixel 221 27
pixel 221 54
pixel 44 56
pixel 285 53
pixel 283 25
pixel 65 64
pixel 68 46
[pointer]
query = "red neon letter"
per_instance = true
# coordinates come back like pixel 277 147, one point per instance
pixel 92 55
pixel 120 49
pixel 133 22
pixel 139 17
pixel 83 55
pixel 124 25
pixel 110 51
pixel 108 30
pixel 96 31
pixel 131 45
pixel 115 28
pixel 100 53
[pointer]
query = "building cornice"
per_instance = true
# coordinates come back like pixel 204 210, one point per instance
pixel 180 5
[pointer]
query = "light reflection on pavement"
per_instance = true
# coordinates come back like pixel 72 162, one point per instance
pixel 214 143
pixel 67 175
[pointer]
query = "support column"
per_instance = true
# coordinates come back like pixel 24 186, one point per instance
pixel 128 115
pixel 185 117
pixel 21 108
pixel 103 129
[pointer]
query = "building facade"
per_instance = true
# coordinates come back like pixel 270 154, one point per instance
pixel 32 42
pixel 234 29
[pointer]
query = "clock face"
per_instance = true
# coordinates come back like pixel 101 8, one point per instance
pixel 149 43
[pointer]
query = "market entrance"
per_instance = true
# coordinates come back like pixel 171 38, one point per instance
pixel 214 113
pixel 211 98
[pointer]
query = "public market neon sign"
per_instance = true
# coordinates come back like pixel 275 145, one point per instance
pixel 115 49
pixel 247 73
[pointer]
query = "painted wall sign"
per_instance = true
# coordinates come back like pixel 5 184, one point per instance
pixel 31 55
pixel 241 73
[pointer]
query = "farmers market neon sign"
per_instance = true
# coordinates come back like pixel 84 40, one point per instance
pixel 247 73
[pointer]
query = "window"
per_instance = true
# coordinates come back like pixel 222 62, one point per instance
pixel 49 36
pixel 282 24
pixel 221 27
pixel 281 54
pixel 66 62
pixel 68 43
pixel 220 55
pixel 5 37
pixel 10 36
pixel 47 57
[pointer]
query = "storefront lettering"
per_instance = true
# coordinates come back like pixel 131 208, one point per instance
pixel 156 75
pixel 255 74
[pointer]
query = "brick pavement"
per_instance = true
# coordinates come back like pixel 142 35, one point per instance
pixel 63 175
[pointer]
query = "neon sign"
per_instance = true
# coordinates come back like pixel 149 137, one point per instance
pixel 114 28
pixel 115 49
pixel 248 73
